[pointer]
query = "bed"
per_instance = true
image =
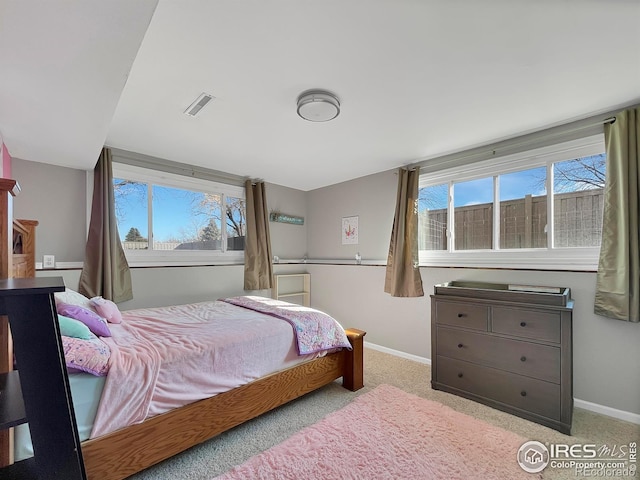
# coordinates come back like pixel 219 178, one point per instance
pixel 170 429
pixel 157 361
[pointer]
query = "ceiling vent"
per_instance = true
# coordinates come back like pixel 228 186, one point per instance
pixel 198 104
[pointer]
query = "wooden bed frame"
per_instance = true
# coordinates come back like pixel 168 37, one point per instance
pixel 129 450
pixel 122 453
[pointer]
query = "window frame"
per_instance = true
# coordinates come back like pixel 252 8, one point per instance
pixel 549 258
pixel 144 258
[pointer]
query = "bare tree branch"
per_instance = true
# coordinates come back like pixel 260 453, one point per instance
pixel 580 174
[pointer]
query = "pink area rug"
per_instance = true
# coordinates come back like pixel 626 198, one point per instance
pixel 390 434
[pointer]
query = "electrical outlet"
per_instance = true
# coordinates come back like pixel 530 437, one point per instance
pixel 49 261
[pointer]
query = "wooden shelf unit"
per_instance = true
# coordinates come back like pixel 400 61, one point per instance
pixel 290 287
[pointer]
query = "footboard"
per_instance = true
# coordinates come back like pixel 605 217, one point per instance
pixel 132 449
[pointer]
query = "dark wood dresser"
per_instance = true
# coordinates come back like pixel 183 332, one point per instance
pixel 507 346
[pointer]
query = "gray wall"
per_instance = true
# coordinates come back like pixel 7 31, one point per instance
pixel 287 240
pixel 606 356
pixel 371 198
pixel 56 197
pixel 159 287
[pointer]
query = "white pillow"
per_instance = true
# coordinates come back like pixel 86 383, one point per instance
pixel 73 298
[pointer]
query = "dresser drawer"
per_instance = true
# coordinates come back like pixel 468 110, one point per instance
pixel 520 357
pixel 534 324
pixel 461 314
pixel 531 395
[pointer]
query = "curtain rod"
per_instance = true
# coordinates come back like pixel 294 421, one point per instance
pixel 170 166
pixel 548 136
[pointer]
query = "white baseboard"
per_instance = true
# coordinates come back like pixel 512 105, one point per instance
pixel 397 353
pixel 608 411
pixel 62 266
pixel 592 407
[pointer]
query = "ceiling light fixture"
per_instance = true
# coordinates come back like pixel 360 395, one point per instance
pixel 198 104
pixel 318 105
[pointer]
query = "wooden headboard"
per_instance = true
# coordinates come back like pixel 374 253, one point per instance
pixel 17 260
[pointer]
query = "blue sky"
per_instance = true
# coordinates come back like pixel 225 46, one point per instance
pixel 172 209
pixel 512 186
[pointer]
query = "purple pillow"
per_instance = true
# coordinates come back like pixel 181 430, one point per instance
pixel 91 319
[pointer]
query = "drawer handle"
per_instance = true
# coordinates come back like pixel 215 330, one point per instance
pixel 460 375
pixel 523 324
pixel 460 315
pixel 460 345
pixel 523 358
pixel 523 393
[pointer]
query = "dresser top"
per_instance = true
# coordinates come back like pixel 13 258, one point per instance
pixel 538 294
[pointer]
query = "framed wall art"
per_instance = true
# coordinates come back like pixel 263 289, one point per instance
pixel 350 230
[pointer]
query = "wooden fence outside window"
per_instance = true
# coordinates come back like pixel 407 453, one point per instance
pixel 523 223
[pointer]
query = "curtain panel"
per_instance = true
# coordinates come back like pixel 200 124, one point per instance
pixel 617 282
pixel 258 269
pixel 105 271
pixel 402 277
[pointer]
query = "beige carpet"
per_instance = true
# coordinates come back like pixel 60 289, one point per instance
pixel 233 448
pixel 388 433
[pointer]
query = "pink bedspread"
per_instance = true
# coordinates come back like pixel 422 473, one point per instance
pixel 164 358
pixel 315 331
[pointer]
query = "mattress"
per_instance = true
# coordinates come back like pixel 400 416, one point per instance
pixel 86 390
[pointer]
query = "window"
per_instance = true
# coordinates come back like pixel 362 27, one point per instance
pixel 166 218
pixel 536 209
pixel 523 209
pixel 473 214
pixel 578 187
pixel 432 220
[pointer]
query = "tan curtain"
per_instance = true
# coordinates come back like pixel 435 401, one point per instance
pixel 403 275
pixel 258 270
pixel 617 284
pixel 105 271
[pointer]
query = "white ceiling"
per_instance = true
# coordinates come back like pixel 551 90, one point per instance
pixel 416 79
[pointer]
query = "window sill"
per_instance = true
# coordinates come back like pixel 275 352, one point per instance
pixel 160 264
pixel 571 259
pixel 183 259
pixel 333 261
